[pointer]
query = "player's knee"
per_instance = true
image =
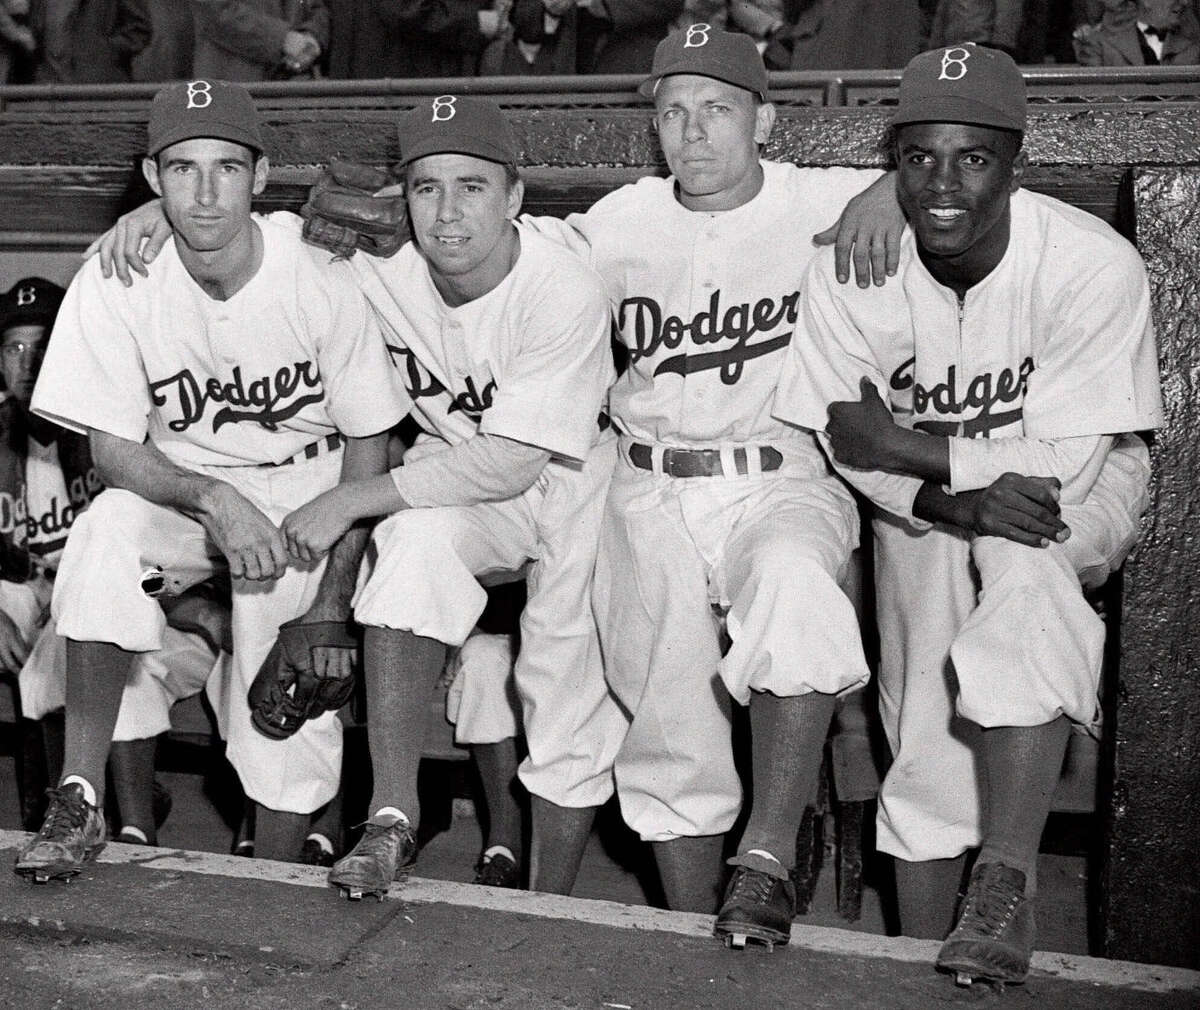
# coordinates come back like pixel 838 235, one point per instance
pixel 414 532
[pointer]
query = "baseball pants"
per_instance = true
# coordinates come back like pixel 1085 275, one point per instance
pixel 769 551
pixel 423 578
pixel 98 597
pixel 985 632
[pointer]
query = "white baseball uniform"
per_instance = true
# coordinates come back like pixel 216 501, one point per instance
pixel 1044 368
pixel 157 679
pixel 706 304
pixel 254 391
pixel 529 361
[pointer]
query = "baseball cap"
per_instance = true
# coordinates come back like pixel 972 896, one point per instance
pixel 457 124
pixel 33 301
pixel 188 109
pixel 962 84
pixel 705 50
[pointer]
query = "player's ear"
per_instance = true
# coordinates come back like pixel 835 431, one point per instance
pixel 262 168
pixel 516 194
pixel 1020 163
pixel 150 171
pixel 764 122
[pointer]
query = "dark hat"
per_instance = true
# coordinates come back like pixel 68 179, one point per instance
pixel 189 109
pixel 33 301
pixel 705 50
pixel 457 124
pixel 962 84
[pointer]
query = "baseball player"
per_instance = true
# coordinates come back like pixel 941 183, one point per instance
pixel 1016 354
pixel 49 481
pixel 504 344
pixel 216 398
pixel 713 501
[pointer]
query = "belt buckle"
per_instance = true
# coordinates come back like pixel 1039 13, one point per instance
pixel 669 462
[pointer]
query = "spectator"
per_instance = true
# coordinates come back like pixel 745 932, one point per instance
pixel 846 34
pixel 88 41
pixel 540 39
pixel 168 56
pixel 412 38
pixel 996 23
pixel 17 41
pixel 1135 33
pixel 619 36
pixel 259 40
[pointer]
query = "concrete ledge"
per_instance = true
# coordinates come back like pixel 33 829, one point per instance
pixel 358 921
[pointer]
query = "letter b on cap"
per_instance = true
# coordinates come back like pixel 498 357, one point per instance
pixel 697 36
pixel 26 296
pixel 199 95
pixel 443 108
pixel 954 64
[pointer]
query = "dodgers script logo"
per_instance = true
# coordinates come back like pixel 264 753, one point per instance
pixel 647 331
pixel 263 400
pixel 420 382
pixel 953 397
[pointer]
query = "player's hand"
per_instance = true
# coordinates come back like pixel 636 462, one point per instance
pixel 252 544
pixel 311 531
pixel 328 661
pixel 13 648
pixel 121 247
pixel 860 430
pixel 868 231
pixel 1018 508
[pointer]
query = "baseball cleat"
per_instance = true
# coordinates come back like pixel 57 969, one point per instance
pixel 757 907
pixel 72 834
pixel 384 852
pixel 497 870
pixel 993 940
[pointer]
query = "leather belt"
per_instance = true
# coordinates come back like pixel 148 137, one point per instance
pixel 704 462
pixel 329 443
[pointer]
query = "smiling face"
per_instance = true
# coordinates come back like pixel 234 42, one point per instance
pixel 954 183
pixel 207 186
pixel 461 210
pixel 710 132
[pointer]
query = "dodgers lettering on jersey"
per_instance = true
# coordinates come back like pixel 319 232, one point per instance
pixel 269 400
pixel 432 401
pixel 292 356
pixel 958 405
pixel 707 303
pixel 529 360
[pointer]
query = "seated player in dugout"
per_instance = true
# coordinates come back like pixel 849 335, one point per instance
pixel 987 402
pixel 246 376
pixel 503 343
pixel 48 481
pixel 631 237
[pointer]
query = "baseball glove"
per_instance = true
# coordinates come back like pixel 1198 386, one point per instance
pixel 287 690
pixel 342 213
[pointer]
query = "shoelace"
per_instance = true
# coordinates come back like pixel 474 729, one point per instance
pixel 67 812
pixel 991 906
pixel 756 886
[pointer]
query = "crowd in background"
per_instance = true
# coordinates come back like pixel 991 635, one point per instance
pixel 100 41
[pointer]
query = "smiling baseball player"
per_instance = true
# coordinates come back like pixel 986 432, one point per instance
pixel 1016 354
pixel 503 342
pixel 216 397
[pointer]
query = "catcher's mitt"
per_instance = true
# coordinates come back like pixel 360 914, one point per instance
pixel 287 690
pixel 342 213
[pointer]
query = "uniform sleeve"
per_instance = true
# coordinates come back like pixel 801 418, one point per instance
pixel 483 468
pixel 364 392
pixel 551 393
pixel 93 376
pixel 1097 372
pixel 825 361
pixel 977 462
pixel 571 232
